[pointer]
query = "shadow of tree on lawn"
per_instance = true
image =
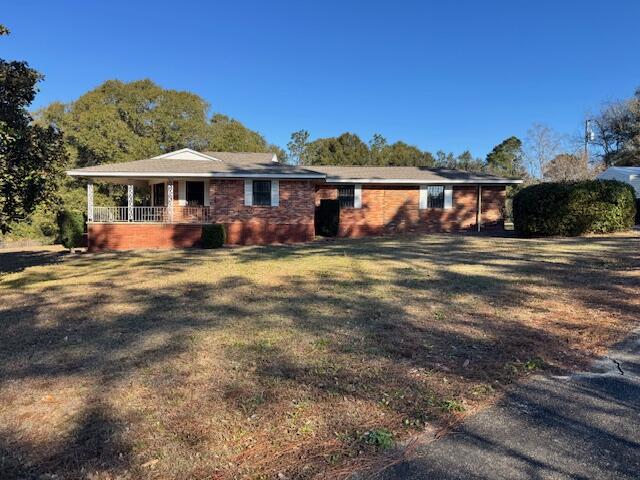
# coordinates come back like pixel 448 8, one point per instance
pixel 337 336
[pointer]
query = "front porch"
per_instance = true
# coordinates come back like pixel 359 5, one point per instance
pixel 167 201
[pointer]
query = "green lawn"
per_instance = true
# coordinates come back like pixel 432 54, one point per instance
pixel 304 361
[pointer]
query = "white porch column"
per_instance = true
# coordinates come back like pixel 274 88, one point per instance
pixel 130 203
pixel 90 201
pixel 170 200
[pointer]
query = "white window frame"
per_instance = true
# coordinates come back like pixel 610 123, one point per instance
pixel 275 193
pixel 424 193
pixel 357 194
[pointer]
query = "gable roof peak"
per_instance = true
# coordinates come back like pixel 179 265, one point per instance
pixel 186 154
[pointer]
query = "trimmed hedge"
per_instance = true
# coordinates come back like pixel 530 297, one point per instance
pixel 213 236
pixel 327 218
pixel 574 208
pixel 71 227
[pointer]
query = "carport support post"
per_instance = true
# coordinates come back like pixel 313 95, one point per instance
pixel 479 210
pixel 130 203
pixel 90 201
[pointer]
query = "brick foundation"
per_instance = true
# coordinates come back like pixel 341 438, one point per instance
pixel 131 236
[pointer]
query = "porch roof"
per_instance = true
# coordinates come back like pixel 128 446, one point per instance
pixel 211 164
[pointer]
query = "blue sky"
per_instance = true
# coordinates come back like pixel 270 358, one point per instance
pixel 440 75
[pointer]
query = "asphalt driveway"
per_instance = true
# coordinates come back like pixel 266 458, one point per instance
pixel 584 426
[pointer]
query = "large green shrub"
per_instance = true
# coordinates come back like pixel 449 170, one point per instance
pixel 213 236
pixel 327 218
pixel 71 227
pixel 574 208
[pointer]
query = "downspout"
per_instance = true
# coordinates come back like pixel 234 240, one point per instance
pixel 479 208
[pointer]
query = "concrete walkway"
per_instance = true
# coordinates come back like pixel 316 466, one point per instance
pixel 585 426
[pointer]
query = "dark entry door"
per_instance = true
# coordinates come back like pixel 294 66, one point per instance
pixel 158 195
pixel 195 193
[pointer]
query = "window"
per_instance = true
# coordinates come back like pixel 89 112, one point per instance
pixel 435 196
pixel 195 193
pixel 346 196
pixel 262 192
pixel 158 195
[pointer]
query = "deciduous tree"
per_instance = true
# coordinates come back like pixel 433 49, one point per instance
pixel 542 144
pixel 567 167
pixel 347 149
pixel 617 129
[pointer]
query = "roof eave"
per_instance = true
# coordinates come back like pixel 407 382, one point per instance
pixel 406 181
pixel 79 173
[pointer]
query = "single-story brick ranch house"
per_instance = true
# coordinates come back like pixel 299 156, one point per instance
pixel 260 200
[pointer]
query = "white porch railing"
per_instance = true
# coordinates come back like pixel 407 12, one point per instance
pixel 110 214
pixel 152 215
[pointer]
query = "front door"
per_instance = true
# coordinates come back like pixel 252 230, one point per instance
pixel 158 194
pixel 195 194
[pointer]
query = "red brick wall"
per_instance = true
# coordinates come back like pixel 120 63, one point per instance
pixel 387 209
pixel 492 206
pixel 291 221
pixel 130 236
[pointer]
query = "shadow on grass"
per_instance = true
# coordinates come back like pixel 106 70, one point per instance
pixel 363 345
pixel 16 261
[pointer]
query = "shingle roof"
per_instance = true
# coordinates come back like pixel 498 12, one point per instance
pixel 242 157
pixel 225 164
pixel 372 174
pixel 243 164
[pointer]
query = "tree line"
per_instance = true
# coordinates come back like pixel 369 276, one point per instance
pixel 120 121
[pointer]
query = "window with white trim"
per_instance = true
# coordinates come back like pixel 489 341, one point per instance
pixel 435 196
pixel 346 196
pixel 262 193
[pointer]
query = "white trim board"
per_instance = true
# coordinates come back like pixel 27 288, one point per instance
pixel 300 176
pixel 403 181
pixel 187 154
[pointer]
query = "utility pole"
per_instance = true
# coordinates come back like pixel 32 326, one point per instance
pixel 588 137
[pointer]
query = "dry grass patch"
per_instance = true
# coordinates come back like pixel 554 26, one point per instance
pixel 294 362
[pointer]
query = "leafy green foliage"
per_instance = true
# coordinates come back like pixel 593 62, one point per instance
pixel 229 135
pixel 120 121
pixel 213 236
pixel 450 405
pixel 380 438
pixel 327 218
pixel 506 158
pixel 31 156
pixel 401 154
pixel 71 226
pixel 298 147
pixel 347 149
pixel 574 208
